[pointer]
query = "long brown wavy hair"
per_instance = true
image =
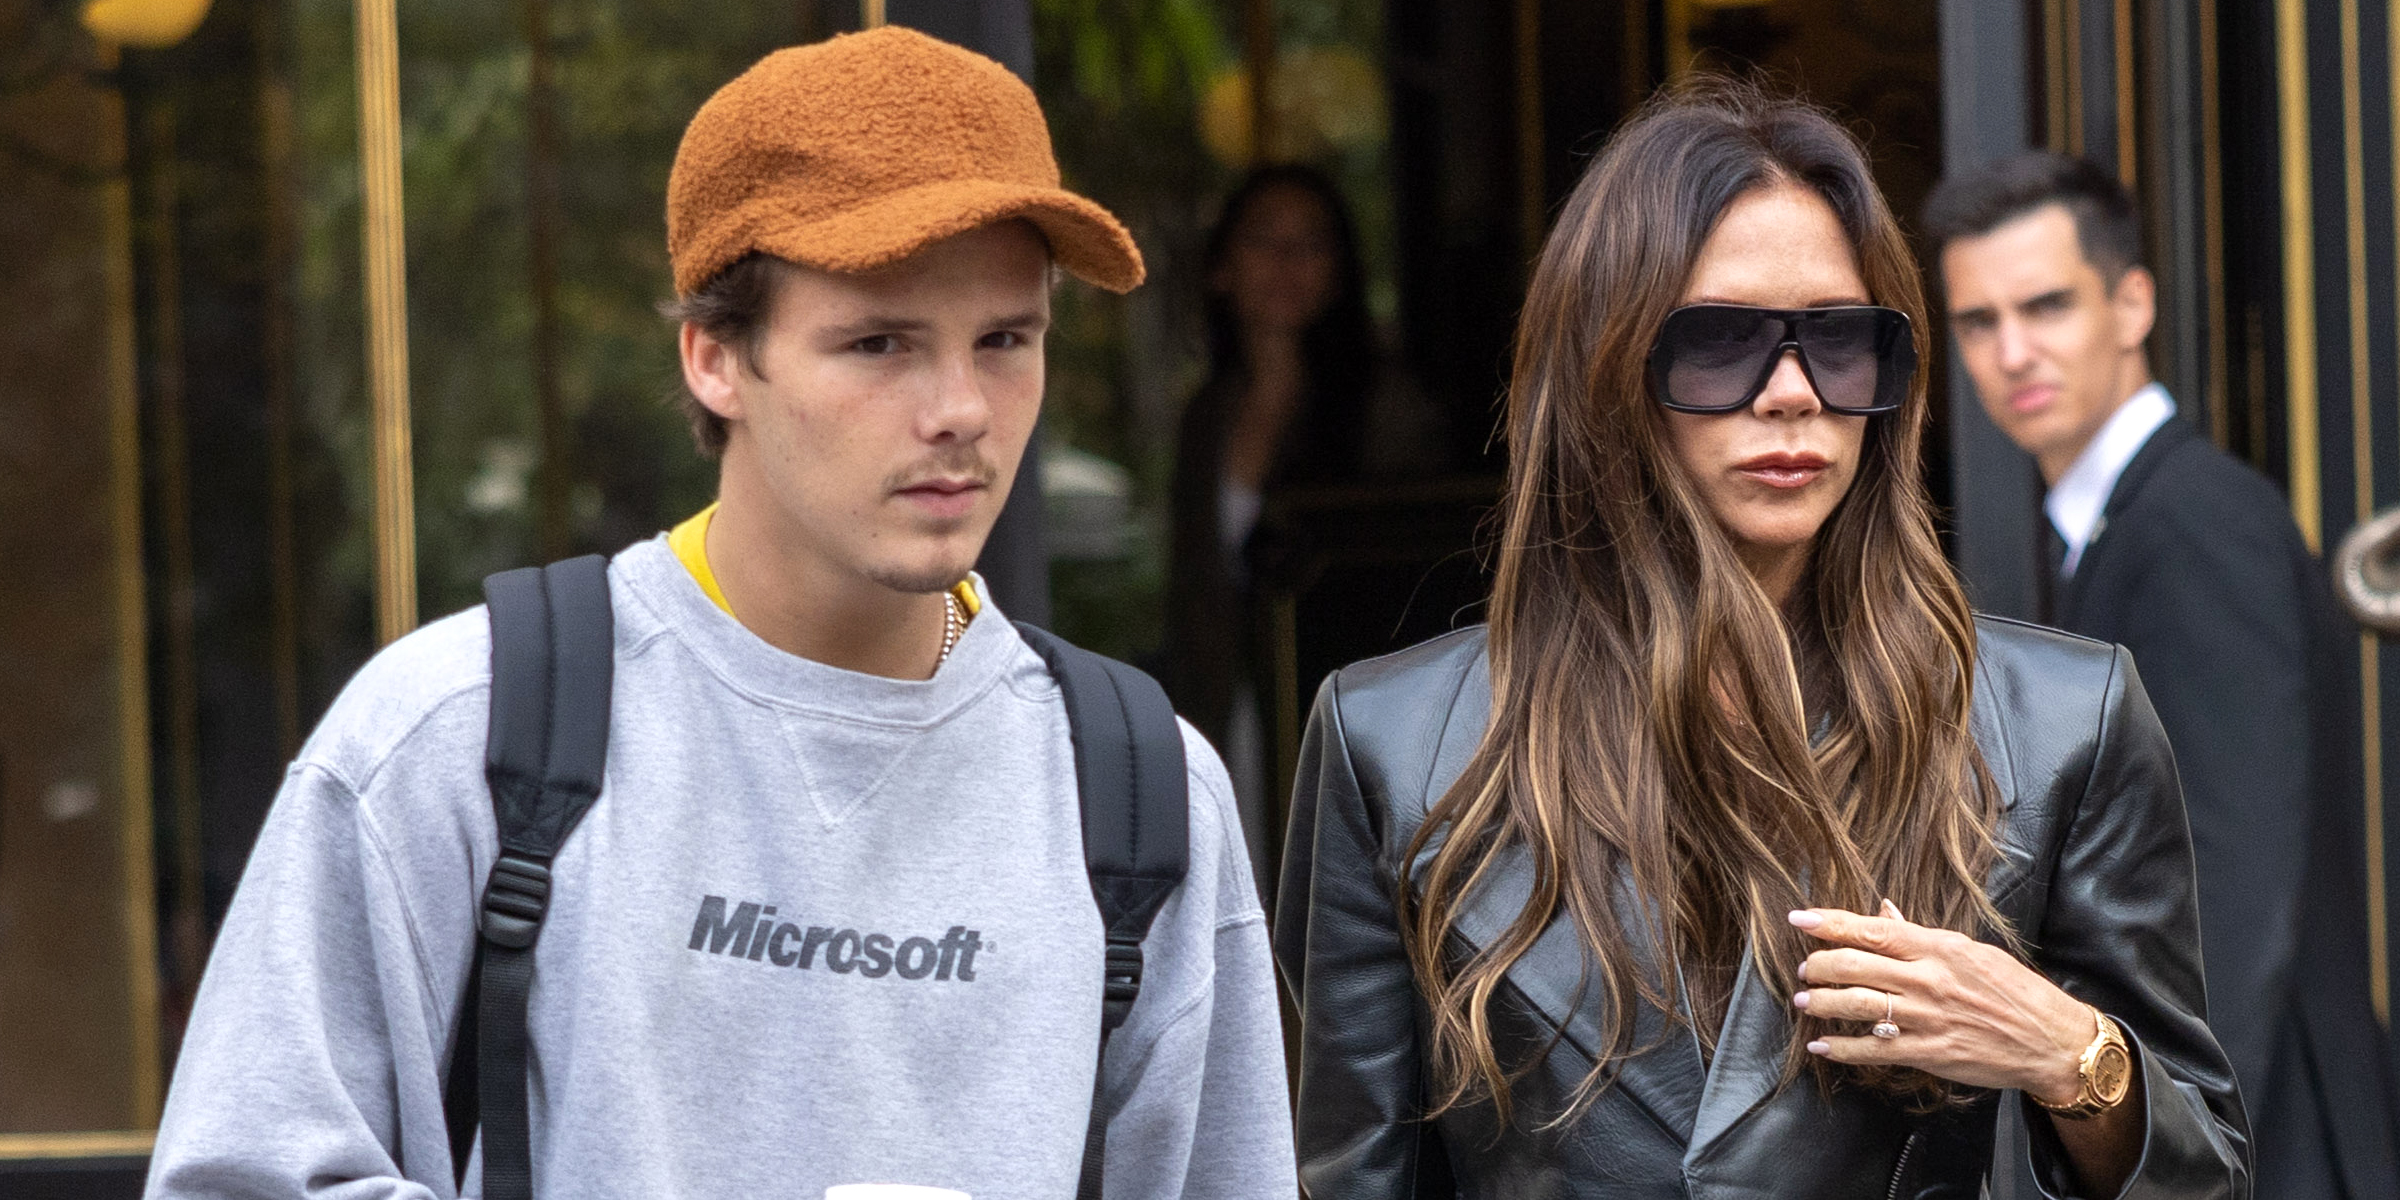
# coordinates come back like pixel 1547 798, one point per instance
pixel 1648 719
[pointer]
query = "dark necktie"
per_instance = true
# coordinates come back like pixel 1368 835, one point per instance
pixel 2054 574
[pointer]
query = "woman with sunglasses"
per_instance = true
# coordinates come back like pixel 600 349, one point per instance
pixel 1737 857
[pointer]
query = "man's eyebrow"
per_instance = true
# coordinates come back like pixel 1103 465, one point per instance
pixel 1980 312
pixel 1027 319
pixel 871 325
pixel 2053 296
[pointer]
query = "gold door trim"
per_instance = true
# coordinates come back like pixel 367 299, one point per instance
pixel 2212 222
pixel 133 653
pixel 387 317
pixel 2299 268
pixel 2070 69
pixel 2362 460
pixel 2054 75
pixel 129 1143
pixel 2128 125
pixel 1678 36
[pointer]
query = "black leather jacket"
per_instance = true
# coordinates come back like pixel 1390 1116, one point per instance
pixel 2095 871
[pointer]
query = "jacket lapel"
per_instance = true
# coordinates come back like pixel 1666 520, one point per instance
pixel 1749 1060
pixel 2014 863
pixel 1990 734
pixel 1666 1078
pixel 1559 980
pixel 2129 484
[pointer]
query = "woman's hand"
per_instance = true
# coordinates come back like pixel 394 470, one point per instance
pixel 1967 1011
pixel 1278 374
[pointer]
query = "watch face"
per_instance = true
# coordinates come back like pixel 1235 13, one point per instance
pixel 2112 1074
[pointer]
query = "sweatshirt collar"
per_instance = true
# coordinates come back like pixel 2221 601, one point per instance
pixel 661 579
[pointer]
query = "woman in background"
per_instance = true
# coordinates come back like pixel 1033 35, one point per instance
pixel 1739 858
pixel 1296 396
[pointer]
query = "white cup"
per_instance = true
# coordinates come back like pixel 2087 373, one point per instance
pixel 892 1191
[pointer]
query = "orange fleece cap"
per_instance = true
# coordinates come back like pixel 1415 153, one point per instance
pixel 854 153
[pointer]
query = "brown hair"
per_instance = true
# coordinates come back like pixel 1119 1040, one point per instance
pixel 1647 711
pixel 735 307
pixel 1975 202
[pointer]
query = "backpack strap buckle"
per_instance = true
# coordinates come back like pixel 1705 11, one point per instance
pixel 515 899
pixel 1121 975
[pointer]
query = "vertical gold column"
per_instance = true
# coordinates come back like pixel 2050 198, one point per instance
pixel 2370 650
pixel 2299 267
pixel 2128 123
pixel 1678 36
pixel 2055 66
pixel 387 317
pixel 1532 179
pixel 2070 49
pixel 2362 462
pixel 2212 229
pixel 133 673
pixel 2062 76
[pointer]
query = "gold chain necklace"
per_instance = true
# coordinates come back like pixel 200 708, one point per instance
pixel 954 623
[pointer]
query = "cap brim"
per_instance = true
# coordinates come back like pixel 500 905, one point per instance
pixel 1084 239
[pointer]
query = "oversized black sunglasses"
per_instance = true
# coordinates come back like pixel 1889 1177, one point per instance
pixel 1717 358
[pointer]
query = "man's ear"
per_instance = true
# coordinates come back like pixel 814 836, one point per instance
pixel 712 370
pixel 2135 301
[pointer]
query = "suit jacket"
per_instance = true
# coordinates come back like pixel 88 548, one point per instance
pixel 2197 569
pixel 2094 870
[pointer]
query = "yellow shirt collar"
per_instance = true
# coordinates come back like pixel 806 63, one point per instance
pixel 689 541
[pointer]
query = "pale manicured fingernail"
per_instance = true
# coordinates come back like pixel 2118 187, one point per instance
pixel 1801 918
pixel 1892 910
pixel 1820 1048
pixel 1800 1000
pixel 1802 970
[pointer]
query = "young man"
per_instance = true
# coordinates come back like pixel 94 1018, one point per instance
pixel 829 920
pixel 2187 557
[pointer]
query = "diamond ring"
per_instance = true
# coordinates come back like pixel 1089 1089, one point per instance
pixel 1884 1028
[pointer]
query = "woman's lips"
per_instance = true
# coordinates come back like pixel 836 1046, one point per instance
pixel 1784 470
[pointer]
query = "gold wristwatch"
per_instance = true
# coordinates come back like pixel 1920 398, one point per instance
pixel 2106 1070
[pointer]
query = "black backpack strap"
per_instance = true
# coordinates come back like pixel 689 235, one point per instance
pixel 553 662
pixel 1129 772
pixel 462 1091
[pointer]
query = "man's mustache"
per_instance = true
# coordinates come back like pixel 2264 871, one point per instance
pixel 964 462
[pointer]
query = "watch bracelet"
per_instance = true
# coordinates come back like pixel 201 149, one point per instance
pixel 2087 1104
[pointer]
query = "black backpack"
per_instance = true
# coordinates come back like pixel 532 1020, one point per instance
pixel 553 660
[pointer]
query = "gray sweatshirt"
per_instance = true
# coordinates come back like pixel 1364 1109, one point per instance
pixel 820 928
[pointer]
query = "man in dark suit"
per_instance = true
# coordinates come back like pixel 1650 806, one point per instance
pixel 2167 545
